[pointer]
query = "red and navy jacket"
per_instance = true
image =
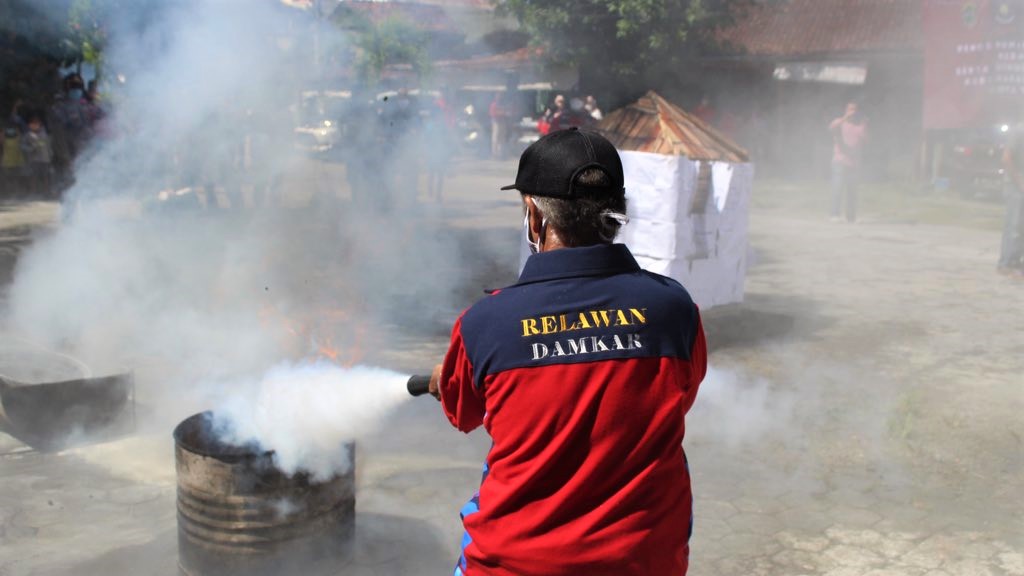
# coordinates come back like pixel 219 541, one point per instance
pixel 582 374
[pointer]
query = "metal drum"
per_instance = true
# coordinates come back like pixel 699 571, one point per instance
pixel 51 416
pixel 238 514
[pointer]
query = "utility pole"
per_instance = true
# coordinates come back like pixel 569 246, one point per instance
pixel 317 17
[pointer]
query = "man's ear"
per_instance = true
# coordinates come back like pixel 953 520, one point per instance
pixel 534 217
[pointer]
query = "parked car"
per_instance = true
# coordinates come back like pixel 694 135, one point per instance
pixel 319 128
pixel 975 167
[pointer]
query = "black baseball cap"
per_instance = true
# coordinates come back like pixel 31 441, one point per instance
pixel 551 165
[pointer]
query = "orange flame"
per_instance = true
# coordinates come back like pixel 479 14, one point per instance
pixel 316 340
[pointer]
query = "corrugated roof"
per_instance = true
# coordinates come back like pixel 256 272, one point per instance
pixel 794 28
pixel 653 124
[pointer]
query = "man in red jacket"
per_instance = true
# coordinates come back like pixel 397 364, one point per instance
pixel 582 373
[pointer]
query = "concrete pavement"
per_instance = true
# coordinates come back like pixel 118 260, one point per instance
pixel 862 418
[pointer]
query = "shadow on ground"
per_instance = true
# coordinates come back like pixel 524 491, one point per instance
pixel 763 318
pixel 383 544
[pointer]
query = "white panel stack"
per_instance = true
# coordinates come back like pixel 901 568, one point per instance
pixel 706 251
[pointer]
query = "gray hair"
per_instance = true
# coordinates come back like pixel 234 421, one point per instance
pixel 588 219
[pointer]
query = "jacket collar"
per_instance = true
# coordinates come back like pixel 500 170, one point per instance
pixel 599 260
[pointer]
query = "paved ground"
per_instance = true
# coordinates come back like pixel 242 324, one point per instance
pixel 861 417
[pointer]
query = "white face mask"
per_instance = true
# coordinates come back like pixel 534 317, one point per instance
pixel 534 246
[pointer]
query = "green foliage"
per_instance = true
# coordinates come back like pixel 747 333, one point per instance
pixel 621 39
pixel 85 28
pixel 391 42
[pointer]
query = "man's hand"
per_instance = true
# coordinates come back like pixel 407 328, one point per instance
pixel 435 378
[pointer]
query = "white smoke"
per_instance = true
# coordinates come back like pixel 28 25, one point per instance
pixel 753 408
pixel 184 291
pixel 306 413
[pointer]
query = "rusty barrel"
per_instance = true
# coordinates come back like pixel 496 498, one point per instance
pixel 239 514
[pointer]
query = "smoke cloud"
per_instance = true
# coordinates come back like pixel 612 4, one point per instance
pixel 201 244
pixel 306 413
pixel 753 407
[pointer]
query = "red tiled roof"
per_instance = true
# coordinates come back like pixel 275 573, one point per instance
pixel 788 28
pixel 653 124
pixel 424 16
pixel 495 61
pixel 474 4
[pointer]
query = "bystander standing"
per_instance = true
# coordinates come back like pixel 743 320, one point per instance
pixel 592 109
pixel 499 113
pixel 552 115
pixel 12 163
pixel 439 146
pixel 35 145
pixel 1011 253
pixel 849 134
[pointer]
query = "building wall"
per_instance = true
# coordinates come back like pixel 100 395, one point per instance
pixel 784 124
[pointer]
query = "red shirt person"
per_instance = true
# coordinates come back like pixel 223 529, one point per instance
pixel 849 136
pixel 500 115
pixel 582 373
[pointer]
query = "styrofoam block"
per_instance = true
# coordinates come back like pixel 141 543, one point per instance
pixel 731 253
pixel 733 219
pixel 738 202
pixel 656 239
pixel 704 223
pixel 695 238
pixel 721 183
pixel 665 205
pixel 657 265
pixel 719 281
pixel 651 170
pixel 658 187
pixel 710 282
pixel 707 251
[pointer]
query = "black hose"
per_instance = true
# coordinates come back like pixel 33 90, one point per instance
pixel 418 384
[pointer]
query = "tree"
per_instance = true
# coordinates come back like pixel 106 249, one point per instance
pixel 623 47
pixel 86 24
pixel 379 45
pixel 86 32
pixel 37 38
pixel 393 41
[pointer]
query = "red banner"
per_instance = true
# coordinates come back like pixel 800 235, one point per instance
pixel 973 62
